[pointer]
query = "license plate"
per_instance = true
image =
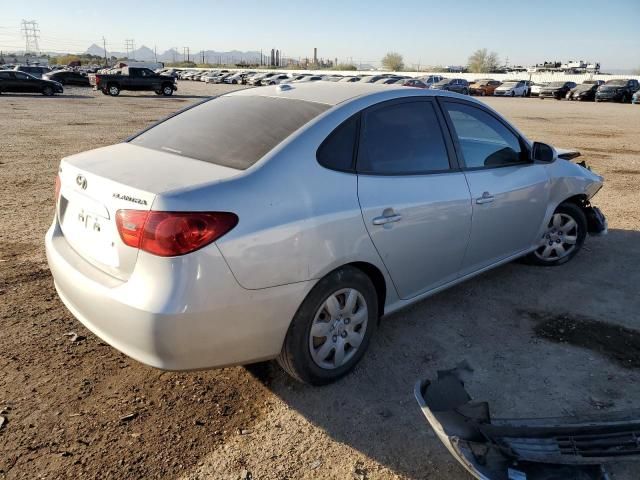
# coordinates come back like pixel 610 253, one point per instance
pixel 88 232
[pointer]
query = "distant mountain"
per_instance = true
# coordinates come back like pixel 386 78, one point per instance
pixel 95 50
pixel 145 54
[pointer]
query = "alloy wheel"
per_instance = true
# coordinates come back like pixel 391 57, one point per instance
pixel 560 238
pixel 338 328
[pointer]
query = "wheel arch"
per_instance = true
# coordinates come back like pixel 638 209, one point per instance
pixel 578 200
pixel 378 280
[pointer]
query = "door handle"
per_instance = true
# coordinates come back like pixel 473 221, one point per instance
pixel 485 198
pixel 384 219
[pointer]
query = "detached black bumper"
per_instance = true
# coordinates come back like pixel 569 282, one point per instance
pixel 525 449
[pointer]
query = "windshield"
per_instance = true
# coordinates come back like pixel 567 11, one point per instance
pixel 509 84
pixel 556 84
pixel 617 83
pixel 443 82
pixel 216 131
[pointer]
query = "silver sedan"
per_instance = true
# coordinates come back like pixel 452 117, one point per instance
pixel 283 222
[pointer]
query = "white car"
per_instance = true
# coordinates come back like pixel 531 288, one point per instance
pixel 512 89
pixel 276 79
pixel 535 88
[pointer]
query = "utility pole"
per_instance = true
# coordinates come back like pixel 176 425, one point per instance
pixel 104 45
pixel 155 53
pixel 173 52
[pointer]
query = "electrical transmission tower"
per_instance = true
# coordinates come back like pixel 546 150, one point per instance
pixel 130 46
pixel 31 34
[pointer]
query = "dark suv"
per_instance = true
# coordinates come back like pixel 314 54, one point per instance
pixel 33 70
pixel 617 90
pixel 459 85
pixel 557 90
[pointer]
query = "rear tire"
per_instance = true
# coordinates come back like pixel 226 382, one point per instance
pixel 114 90
pixel 47 91
pixel 344 328
pixel 624 99
pixel 563 238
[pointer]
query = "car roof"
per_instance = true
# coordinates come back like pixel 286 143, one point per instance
pixel 333 93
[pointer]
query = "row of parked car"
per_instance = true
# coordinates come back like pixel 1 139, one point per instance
pixel 41 79
pixel 621 90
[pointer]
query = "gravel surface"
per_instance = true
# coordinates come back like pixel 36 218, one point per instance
pixel 71 405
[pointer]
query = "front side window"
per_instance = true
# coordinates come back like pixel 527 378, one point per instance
pixel 21 76
pixel 402 138
pixel 484 141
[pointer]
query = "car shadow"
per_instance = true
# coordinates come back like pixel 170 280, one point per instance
pixel 162 97
pixel 31 95
pixel 489 322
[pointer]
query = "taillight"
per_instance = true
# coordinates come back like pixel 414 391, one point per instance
pixel 169 234
pixel 97 80
pixel 57 194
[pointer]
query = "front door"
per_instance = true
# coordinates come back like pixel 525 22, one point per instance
pixel 415 202
pixel 509 192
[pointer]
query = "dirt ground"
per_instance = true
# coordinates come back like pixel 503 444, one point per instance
pixel 72 407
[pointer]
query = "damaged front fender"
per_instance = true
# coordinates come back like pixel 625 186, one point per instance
pixel 562 448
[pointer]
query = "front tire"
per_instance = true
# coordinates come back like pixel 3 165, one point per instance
pixel 332 329
pixel 167 90
pixel 47 91
pixel 563 238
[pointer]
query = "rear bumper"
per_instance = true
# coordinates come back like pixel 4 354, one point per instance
pixel 179 313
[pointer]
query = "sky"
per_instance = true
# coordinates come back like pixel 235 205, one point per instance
pixel 425 33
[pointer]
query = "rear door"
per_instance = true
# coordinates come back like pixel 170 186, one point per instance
pixel 509 192
pixel 415 201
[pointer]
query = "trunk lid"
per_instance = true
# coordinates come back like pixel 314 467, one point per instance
pixel 94 185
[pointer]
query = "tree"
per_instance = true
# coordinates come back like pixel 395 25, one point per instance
pixel 344 67
pixel 393 61
pixel 481 61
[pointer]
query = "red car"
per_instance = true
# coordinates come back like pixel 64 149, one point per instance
pixel 413 82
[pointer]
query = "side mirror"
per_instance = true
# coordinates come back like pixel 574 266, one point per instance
pixel 542 152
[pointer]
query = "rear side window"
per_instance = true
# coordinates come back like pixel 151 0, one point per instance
pixel 337 151
pixel 402 138
pixel 232 131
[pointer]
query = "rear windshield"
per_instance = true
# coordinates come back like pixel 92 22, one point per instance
pixel 233 131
